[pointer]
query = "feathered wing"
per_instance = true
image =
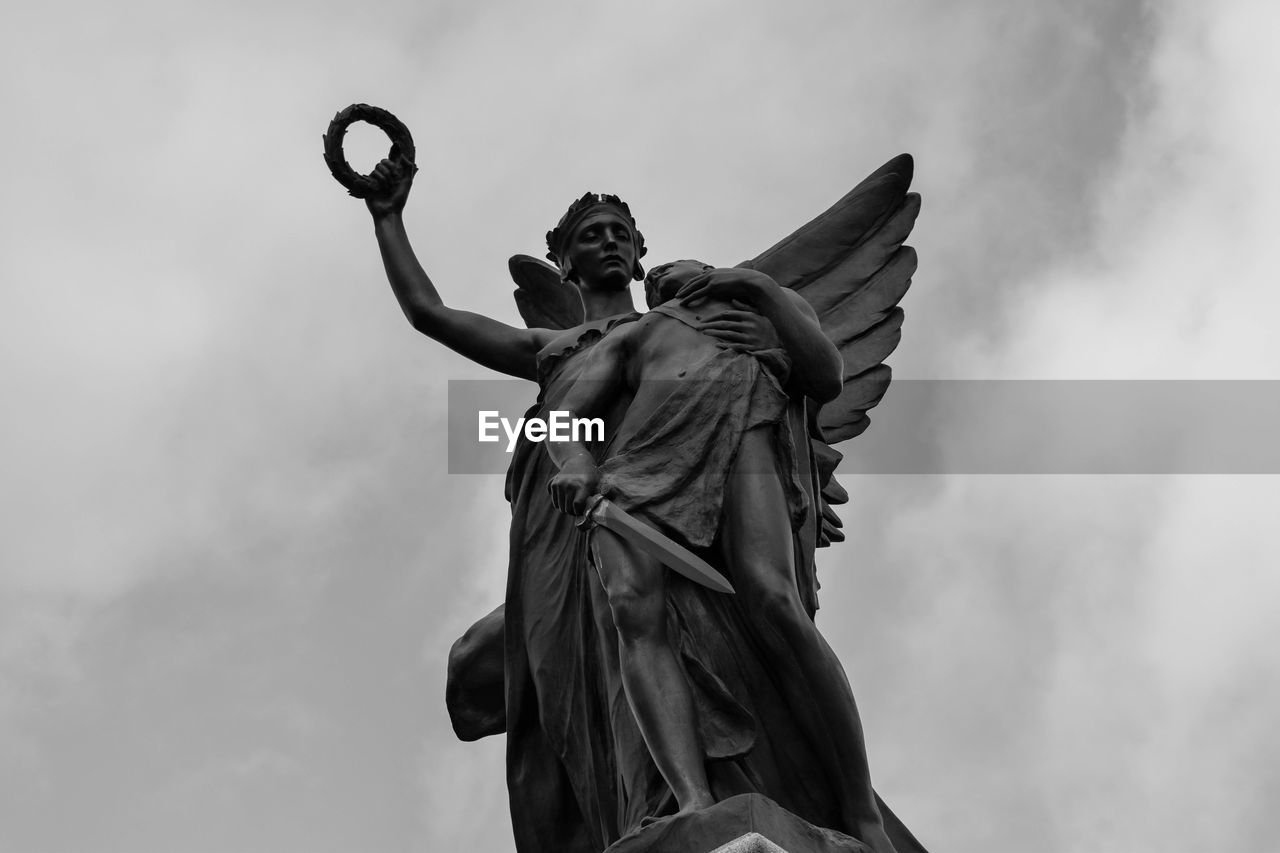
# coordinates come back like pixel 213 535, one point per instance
pixel 850 264
pixel 544 301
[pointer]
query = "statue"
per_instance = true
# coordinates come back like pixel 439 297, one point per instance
pixel 631 695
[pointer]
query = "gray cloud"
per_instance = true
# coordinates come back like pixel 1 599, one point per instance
pixel 236 562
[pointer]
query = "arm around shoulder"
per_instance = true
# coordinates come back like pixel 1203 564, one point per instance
pixel 816 366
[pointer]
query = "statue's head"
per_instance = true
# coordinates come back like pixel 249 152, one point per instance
pixel 663 282
pixel 596 243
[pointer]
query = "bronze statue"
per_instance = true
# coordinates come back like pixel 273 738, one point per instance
pixel 629 694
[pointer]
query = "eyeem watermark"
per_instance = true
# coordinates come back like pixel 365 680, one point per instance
pixel 557 426
pixel 929 427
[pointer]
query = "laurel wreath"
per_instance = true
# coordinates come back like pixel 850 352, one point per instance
pixel 364 186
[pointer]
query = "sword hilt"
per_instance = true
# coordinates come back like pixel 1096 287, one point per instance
pixel 587 522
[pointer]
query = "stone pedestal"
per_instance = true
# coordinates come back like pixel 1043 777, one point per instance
pixel 748 823
pixel 752 842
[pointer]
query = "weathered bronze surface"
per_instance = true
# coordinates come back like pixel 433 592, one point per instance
pixel 632 698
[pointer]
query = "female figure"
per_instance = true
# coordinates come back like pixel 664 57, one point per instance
pixel 572 740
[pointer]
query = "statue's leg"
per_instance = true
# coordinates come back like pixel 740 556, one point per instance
pixel 654 683
pixel 758 549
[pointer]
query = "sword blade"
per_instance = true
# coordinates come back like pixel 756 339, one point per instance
pixel 662 548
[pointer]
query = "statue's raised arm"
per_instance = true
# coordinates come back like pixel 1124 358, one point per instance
pixel 596 249
pixel 506 349
pixel 482 339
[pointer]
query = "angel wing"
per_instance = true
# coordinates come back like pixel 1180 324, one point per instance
pixel 543 300
pixel 850 264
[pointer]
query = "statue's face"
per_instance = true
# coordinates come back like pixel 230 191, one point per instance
pixel 602 252
pixel 677 276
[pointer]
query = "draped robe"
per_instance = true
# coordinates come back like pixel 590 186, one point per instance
pixel 579 774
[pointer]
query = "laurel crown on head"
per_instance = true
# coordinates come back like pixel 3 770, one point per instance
pixel 558 237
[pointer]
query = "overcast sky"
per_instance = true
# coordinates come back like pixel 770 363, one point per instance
pixel 232 560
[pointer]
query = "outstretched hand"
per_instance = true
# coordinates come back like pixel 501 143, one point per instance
pixel 394 177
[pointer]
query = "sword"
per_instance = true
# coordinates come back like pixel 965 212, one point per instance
pixel 673 555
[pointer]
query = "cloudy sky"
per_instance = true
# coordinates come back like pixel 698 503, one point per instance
pixel 232 559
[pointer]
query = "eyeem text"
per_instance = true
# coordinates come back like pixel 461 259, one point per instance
pixel 557 426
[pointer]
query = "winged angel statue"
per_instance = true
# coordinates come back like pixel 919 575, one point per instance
pixel 596 755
